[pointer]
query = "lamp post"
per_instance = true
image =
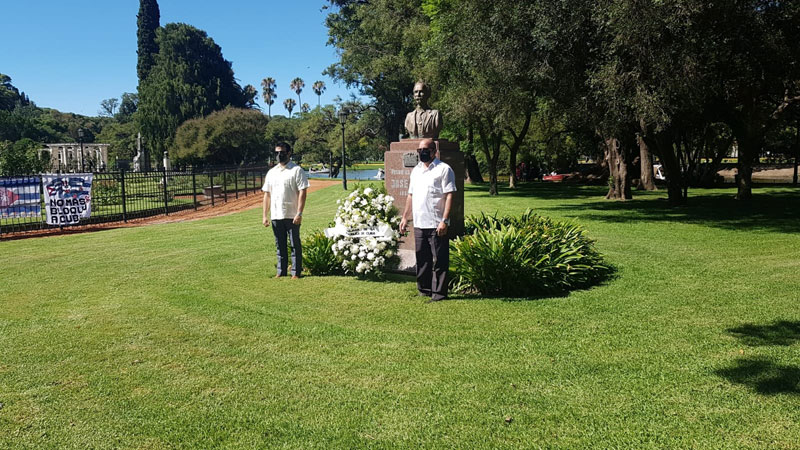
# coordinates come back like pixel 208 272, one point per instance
pixel 80 141
pixel 342 121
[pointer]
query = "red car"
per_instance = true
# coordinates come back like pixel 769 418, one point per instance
pixel 554 178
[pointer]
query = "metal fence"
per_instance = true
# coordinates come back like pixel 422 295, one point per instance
pixel 122 196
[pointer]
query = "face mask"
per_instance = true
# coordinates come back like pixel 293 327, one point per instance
pixel 425 156
pixel 283 157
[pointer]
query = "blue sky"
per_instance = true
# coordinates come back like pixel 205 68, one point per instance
pixel 72 55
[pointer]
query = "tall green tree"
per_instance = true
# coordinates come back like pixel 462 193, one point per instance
pixel 229 137
pixel 127 107
pixel 281 129
pixel 21 158
pixel 380 45
pixel 190 78
pixel 147 22
pixel 268 88
pixel 470 57
pixel 108 107
pixel 10 96
pixel 318 87
pixel 297 86
pixel 289 104
pixel 749 47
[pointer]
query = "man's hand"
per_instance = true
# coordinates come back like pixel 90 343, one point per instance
pixel 297 219
pixel 265 221
pixel 441 229
pixel 403 225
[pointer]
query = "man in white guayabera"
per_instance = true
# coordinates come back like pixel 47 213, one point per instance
pixel 430 196
pixel 284 198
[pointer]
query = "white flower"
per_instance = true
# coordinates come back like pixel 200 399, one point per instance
pixel 389 253
pixel 368 191
pixel 361 255
pixel 354 248
pixel 353 257
pixel 370 256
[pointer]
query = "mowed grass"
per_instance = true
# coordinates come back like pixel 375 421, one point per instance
pixel 176 335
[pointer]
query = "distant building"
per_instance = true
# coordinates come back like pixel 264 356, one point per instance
pixel 67 157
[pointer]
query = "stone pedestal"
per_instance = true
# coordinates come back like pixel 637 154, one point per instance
pixel 398 163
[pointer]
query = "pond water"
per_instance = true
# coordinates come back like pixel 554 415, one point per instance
pixel 351 174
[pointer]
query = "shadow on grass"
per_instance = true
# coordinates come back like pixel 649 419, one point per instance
pixel 761 374
pixel 775 211
pixel 458 293
pixel 764 376
pixel 539 190
pixel 781 333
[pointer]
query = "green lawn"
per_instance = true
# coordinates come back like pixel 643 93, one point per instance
pixel 176 335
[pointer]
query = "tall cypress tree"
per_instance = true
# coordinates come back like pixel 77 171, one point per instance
pixel 147 22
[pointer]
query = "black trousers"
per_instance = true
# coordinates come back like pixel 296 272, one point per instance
pixel 281 228
pixel 433 260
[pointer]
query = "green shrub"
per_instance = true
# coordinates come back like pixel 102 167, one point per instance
pixel 526 256
pixel 106 192
pixel 318 256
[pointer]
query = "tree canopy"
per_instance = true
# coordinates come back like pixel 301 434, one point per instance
pixel 229 137
pixel 190 78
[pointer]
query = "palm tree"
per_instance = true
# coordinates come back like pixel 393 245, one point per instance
pixel 319 88
pixel 250 96
pixel 268 87
pixel 297 85
pixel 305 107
pixel 289 105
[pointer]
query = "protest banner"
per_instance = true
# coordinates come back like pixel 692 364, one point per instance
pixel 67 198
pixel 19 197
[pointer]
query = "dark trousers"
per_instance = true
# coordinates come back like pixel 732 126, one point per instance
pixel 281 228
pixel 433 260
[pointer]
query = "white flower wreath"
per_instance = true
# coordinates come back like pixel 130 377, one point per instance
pixel 367 233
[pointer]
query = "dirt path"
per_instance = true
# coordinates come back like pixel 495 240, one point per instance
pixel 204 212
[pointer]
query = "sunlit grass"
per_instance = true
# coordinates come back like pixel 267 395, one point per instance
pixel 176 335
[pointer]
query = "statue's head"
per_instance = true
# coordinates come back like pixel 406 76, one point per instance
pixel 422 92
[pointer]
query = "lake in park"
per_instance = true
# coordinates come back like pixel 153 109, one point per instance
pixel 351 174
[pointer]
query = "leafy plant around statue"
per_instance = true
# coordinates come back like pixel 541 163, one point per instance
pixel 526 256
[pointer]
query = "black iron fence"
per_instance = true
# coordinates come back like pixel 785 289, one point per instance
pixel 122 196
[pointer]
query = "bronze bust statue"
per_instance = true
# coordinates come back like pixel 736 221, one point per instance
pixel 423 122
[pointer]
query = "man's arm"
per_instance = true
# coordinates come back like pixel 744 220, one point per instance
pixel 265 209
pixel 441 229
pixel 406 213
pixel 301 203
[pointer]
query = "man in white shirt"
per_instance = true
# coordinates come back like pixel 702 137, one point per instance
pixel 285 197
pixel 430 196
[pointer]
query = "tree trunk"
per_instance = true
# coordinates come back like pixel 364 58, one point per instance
pixel 493 178
pixel 646 178
pixel 709 176
pixel 749 149
pixel 512 164
pixel 473 170
pixel 662 145
pixel 514 149
pixel 796 152
pixel 620 182
pixel 495 139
